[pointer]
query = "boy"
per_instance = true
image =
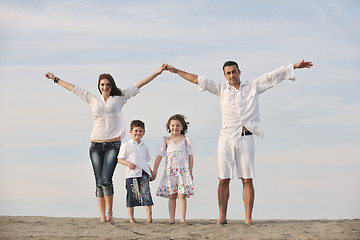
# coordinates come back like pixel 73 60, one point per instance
pixel 135 155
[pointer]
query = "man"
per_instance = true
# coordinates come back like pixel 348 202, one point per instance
pixel 240 120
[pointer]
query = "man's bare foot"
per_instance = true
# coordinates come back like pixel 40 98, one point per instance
pixel 149 220
pixel 221 222
pixel 132 220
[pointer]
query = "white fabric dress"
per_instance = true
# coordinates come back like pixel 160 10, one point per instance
pixel 176 177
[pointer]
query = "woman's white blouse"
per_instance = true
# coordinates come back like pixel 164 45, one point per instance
pixel 108 120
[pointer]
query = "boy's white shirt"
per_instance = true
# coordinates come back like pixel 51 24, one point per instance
pixel 137 154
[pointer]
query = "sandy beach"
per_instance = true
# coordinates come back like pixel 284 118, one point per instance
pixel 13 227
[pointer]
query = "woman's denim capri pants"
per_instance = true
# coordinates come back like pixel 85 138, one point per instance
pixel 104 160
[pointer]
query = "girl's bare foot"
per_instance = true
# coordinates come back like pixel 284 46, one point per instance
pixel 248 222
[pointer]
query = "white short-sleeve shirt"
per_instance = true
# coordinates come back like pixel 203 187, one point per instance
pixel 137 154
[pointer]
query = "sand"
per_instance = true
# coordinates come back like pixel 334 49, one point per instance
pixel 12 227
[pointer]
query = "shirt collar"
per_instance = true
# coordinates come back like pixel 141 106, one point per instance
pixel 132 141
pixel 241 84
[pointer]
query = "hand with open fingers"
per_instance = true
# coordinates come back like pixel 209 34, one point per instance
pixel 303 64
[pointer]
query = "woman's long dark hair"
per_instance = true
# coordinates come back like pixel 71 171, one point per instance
pixel 115 91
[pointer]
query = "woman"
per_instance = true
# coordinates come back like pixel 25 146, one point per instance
pixel 107 133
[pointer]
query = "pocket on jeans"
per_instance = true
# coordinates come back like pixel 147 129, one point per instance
pixel 92 145
pixel 117 144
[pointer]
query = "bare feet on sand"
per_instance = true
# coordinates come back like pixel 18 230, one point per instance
pixel 248 222
pixel 110 220
pixel 221 222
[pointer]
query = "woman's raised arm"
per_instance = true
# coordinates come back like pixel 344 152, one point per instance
pixel 57 80
pixel 148 79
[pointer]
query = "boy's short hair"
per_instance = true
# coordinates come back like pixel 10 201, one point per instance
pixel 137 123
pixel 230 63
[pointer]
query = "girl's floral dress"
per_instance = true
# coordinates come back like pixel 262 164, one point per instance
pixel 176 177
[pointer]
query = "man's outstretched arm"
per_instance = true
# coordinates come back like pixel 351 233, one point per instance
pixel 303 64
pixel 187 76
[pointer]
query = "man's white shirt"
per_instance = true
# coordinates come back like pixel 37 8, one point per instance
pixel 241 107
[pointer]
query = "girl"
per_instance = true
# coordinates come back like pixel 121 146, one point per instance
pixel 177 180
pixel 107 133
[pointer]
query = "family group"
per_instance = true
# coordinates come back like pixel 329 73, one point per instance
pixel 240 121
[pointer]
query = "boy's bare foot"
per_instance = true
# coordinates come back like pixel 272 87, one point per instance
pixel 184 223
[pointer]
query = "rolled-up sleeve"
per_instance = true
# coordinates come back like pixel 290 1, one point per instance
pixel 205 84
pixel 269 80
pixel 131 91
pixel 83 94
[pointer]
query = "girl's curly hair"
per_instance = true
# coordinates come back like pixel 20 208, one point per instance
pixel 181 118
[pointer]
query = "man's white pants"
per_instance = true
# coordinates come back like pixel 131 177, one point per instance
pixel 236 152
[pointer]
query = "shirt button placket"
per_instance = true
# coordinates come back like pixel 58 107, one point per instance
pixel 239 107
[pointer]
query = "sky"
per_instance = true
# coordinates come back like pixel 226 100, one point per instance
pixel 307 166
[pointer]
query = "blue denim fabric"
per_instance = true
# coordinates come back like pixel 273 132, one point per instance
pixel 104 160
pixel 138 191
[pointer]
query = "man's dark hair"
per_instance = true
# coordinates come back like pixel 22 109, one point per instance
pixel 230 63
